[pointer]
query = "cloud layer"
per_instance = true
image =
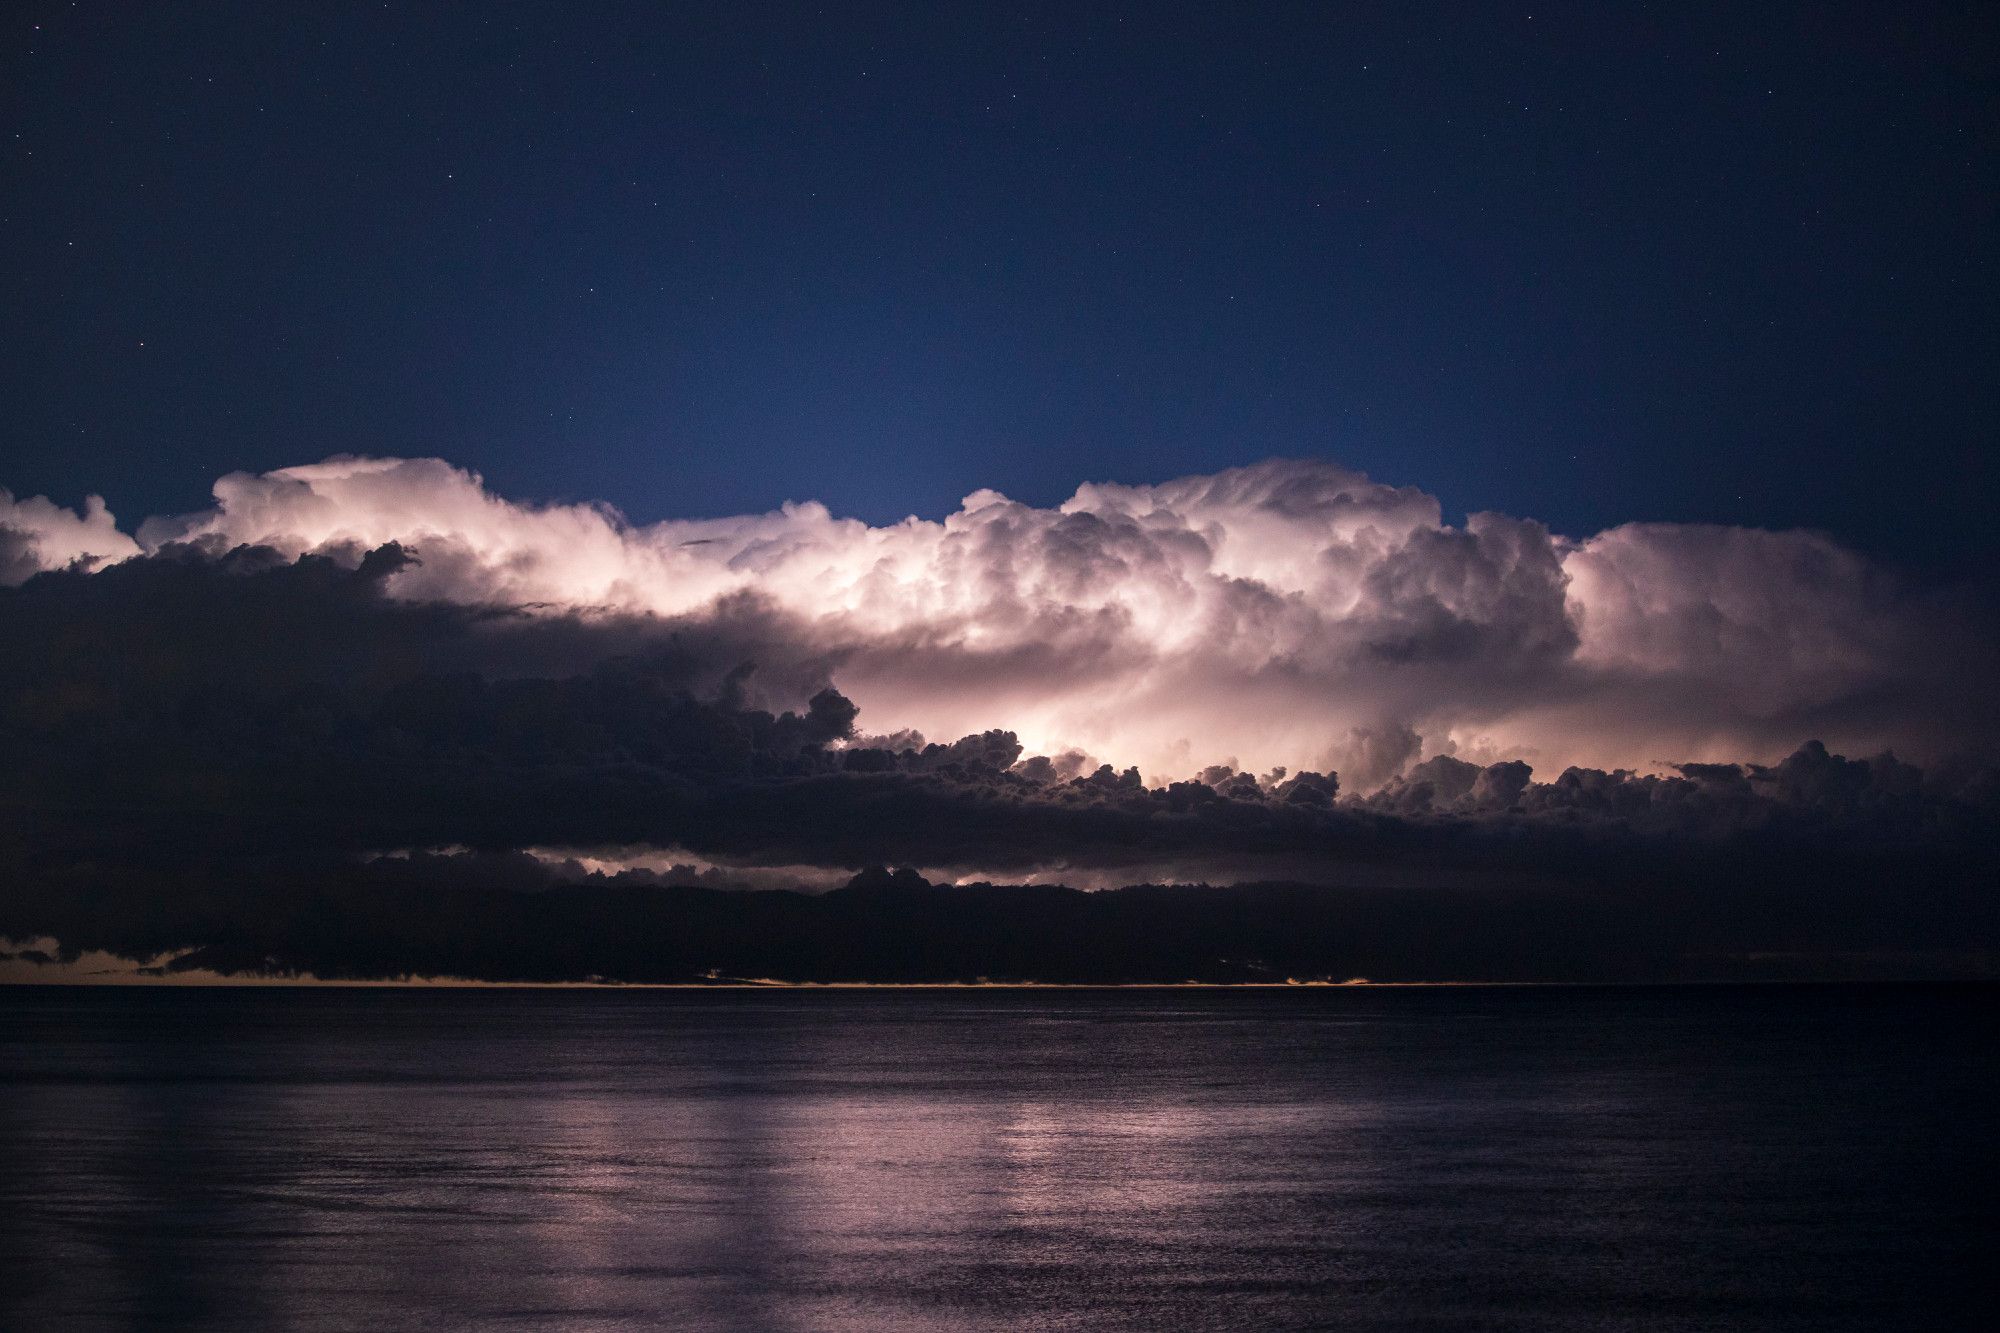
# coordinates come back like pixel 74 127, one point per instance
pixel 366 719
pixel 1291 614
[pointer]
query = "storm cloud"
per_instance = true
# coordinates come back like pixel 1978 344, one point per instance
pixel 1290 614
pixel 367 719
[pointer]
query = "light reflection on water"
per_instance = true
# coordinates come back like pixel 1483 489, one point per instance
pixel 1658 1159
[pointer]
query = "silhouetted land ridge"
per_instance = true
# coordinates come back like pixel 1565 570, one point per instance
pixel 421 917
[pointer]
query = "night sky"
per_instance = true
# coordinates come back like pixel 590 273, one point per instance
pixel 1727 263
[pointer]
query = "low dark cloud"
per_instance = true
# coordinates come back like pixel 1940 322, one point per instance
pixel 205 753
pixel 512 918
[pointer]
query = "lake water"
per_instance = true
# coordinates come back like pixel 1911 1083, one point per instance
pixel 1482 1158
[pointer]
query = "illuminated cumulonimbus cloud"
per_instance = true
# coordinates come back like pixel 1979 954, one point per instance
pixel 1289 613
pixel 36 535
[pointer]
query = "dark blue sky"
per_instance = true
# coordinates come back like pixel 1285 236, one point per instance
pixel 1582 263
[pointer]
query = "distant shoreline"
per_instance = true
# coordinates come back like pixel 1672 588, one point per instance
pixel 446 983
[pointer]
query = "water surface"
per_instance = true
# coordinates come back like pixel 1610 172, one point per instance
pixel 1660 1159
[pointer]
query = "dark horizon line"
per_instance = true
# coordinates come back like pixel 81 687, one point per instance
pixel 223 982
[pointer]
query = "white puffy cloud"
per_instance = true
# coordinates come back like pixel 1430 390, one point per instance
pixel 1289 614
